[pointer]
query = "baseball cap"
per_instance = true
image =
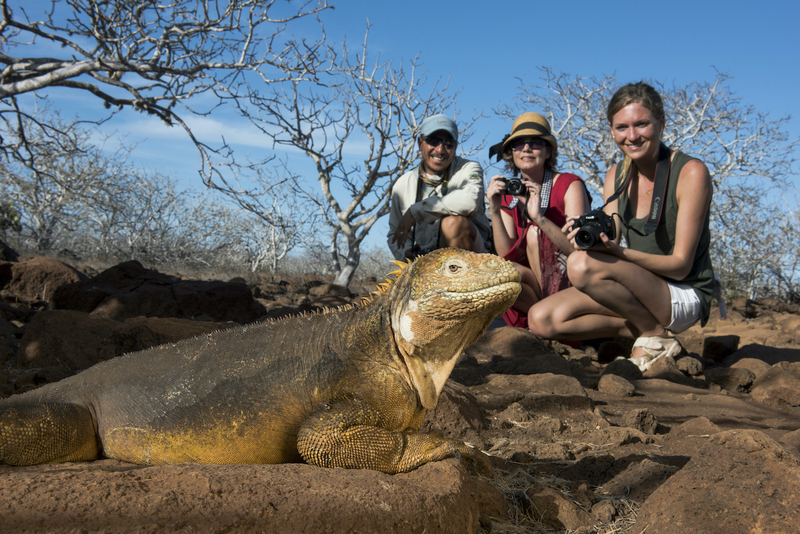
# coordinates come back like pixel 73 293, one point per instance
pixel 434 123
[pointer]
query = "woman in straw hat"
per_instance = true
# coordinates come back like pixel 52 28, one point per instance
pixel 527 227
pixel 661 283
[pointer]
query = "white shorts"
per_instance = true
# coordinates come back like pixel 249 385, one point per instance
pixel 685 307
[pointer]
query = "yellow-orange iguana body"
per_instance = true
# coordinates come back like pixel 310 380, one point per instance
pixel 344 388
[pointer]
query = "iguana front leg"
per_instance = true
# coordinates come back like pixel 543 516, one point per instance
pixel 350 433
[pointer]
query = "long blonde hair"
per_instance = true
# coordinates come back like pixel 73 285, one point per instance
pixel 642 94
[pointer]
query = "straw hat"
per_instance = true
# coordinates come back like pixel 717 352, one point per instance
pixel 526 125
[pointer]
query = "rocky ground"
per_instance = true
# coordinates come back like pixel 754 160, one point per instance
pixel 581 442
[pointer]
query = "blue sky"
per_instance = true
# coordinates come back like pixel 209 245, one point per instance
pixel 483 47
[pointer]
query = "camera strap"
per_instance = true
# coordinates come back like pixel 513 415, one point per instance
pixel 544 192
pixel 422 178
pixel 659 191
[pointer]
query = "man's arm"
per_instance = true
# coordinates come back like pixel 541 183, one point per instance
pixel 400 195
pixel 464 192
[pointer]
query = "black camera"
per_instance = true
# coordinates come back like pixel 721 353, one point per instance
pixel 591 225
pixel 514 186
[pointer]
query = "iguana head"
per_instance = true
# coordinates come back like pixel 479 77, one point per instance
pixel 440 304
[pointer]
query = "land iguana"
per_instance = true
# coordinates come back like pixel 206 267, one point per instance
pixel 347 387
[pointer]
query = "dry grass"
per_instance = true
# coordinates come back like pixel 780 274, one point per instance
pixel 627 514
pixel 514 485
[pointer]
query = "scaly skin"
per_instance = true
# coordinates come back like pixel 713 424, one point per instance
pixel 344 388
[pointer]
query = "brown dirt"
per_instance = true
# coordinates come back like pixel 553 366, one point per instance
pixel 580 443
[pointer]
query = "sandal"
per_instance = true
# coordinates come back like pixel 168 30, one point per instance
pixel 655 347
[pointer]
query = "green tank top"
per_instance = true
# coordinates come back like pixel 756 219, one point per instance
pixel 662 241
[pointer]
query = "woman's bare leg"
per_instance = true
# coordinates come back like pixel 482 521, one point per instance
pixel 531 276
pixel 573 316
pixel 609 297
pixel 624 288
pixel 532 251
pixel 531 289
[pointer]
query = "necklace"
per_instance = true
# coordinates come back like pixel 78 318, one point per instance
pixel 647 191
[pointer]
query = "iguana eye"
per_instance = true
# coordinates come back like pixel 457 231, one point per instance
pixel 453 267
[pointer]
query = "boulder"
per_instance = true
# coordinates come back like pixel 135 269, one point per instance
pixel 63 342
pixel 757 367
pixel 742 481
pixel 129 290
pixel 617 386
pixel 777 386
pixel 507 343
pixel 689 365
pixel 555 510
pixel 624 368
pixel 641 419
pixel 35 280
pixel 735 380
pixel 289 498
pixel 697 426
pixel 330 290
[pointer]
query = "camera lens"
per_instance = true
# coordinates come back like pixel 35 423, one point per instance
pixel 514 186
pixel 586 237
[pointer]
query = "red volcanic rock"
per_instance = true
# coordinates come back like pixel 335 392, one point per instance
pixel 35 280
pixel 576 437
pixel 129 290
pixel 742 482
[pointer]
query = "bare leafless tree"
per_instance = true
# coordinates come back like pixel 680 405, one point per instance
pixel 144 216
pixel 291 224
pixel 750 156
pixel 71 173
pixel 95 204
pixel 375 263
pixel 358 132
pixel 786 273
pixel 153 57
pixel 86 200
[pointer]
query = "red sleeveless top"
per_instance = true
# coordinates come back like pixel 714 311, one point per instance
pixel 553 262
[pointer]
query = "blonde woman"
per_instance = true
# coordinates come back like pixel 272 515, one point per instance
pixel 661 283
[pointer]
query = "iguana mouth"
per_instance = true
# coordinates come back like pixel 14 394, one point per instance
pixel 488 294
pixel 447 304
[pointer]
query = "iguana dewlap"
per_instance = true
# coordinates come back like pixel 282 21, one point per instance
pixel 344 388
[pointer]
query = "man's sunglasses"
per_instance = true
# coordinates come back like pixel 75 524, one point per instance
pixel 449 144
